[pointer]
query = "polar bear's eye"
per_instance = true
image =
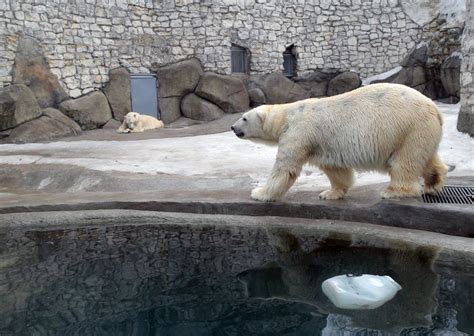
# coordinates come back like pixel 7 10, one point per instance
pixel 244 119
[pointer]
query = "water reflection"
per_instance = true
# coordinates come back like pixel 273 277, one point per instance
pixel 182 280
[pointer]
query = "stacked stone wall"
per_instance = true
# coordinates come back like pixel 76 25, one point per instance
pixel 84 39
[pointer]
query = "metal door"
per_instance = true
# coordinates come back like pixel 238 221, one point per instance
pixel 144 94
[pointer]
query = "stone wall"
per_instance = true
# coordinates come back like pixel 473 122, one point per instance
pixel 84 39
pixel 466 114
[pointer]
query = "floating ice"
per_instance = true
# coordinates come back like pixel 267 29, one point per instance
pixel 360 292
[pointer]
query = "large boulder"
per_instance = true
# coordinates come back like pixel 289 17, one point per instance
pixel 227 92
pixel 90 111
pixel 179 79
pixel 32 69
pixel 279 90
pixel 465 122
pixel 194 107
pixel 256 97
pixel 344 82
pixel 316 83
pixel 170 109
pixel 450 74
pixel 412 76
pixel 17 105
pixel 52 124
pixel 416 57
pixel 117 92
pixel 174 82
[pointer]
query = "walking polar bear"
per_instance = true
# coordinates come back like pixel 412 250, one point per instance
pixel 383 127
pixel 135 122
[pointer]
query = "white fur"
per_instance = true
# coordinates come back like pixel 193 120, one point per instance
pixel 135 122
pixel 385 127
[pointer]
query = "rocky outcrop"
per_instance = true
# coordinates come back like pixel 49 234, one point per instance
pixel 227 92
pixel 17 105
pixel 194 107
pixel 278 89
pixel 256 97
pixel 32 69
pixel 117 92
pixel 170 109
pixel 90 111
pixel 450 75
pixel 179 79
pixel 51 125
pixel 174 82
pixel 344 82
pixel 316 83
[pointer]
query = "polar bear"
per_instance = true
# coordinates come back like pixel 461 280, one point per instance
pixel 136 122
pixel 381 127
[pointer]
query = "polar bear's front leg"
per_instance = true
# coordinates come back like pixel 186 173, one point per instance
pixel 138 127
pixel 341 180
pixel 123 128
pixel 284 173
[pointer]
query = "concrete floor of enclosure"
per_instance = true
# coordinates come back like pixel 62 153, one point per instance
pixel 204 169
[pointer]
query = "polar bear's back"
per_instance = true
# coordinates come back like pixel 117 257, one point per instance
pixel 150 122
pixel 362 128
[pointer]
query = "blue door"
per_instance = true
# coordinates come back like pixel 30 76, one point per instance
pixel 144 97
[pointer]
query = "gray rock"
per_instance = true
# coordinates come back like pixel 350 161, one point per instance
pixel 279 90
pixel 179 79
pixel 117 92
pixel 466 120
pixel 344 82
pixel 52 124
pixel 257 97
pixel 90 111
pixel 416 57
pixel 412 76
pixel 112 124
pixel 194 107
pixel 316 83
pixel 17 105
pixel 32 69
pixel 170 109
pixel 227 92
pixel 450 75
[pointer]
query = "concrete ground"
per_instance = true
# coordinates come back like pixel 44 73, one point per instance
pixel 203 168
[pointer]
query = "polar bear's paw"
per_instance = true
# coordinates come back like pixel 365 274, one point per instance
pixel 391 192
pixel 260 194
pixel 332 194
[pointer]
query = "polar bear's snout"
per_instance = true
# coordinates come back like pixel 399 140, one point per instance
pixel 237 131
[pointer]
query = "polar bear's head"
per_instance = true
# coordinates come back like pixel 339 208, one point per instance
pixel 131 119
pixel 251 125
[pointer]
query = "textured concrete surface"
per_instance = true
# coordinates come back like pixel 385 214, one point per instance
pixel 195 169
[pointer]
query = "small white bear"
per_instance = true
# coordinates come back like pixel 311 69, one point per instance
pixel 135 122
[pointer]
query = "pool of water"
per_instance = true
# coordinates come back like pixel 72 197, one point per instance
pixel 176 279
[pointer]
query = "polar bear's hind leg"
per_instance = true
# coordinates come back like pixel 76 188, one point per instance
pixel 341 180
pixel 434 174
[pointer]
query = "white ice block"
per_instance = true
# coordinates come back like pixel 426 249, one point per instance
pixel 360 292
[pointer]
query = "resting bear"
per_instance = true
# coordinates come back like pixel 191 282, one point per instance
pixel 136 122
pixel 381 127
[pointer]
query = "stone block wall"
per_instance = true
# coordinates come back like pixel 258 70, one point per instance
pixel 466 114
pixel 84 39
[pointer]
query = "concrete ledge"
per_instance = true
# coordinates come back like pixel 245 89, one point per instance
pixel 360 233
pixel 412 214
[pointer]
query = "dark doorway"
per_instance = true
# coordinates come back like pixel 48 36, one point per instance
pixel 240 59
pixel 289 61
pixel 144 94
